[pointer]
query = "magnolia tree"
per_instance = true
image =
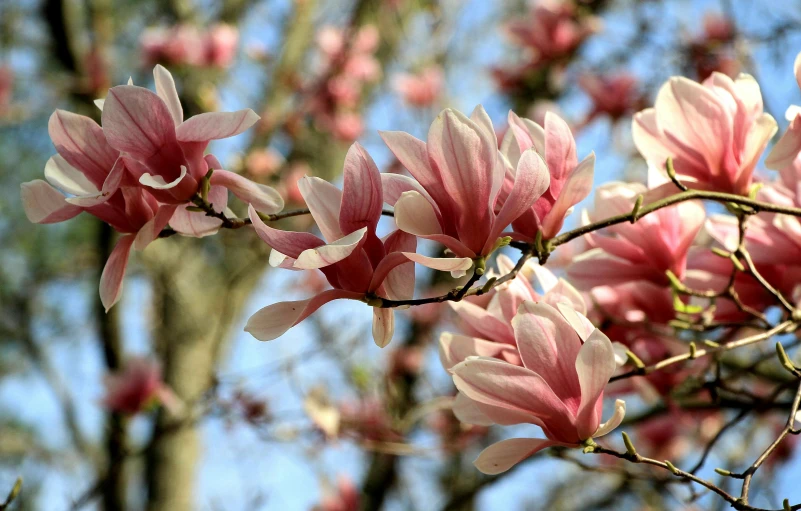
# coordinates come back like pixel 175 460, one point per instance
pixel 637 335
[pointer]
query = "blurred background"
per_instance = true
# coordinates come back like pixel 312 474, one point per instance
pixel 320 417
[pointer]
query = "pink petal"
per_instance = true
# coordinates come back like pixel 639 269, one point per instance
pixel 468 412
pixel 291 244
pixel 501 456
pixel 383 326
pixel 455 348
pixel 560 150
pixel 165 89
pixel 215 125
pixel 595 268
pixel 151 230
pixel 114 272
pixel 157 182
pixel 264 199
pixel 137 121
pixel 326 255
pixel 578 321
pixel 482 322
pixel 43 204
pixel 412 154
pixel 787 148
pixel 399 281
pixel 526 133
pixel 415 215
pixel 564 293
pixel 272 321
pixel 762 130
pixel 362 197
pixel 110 187
pixel 196 224
pixel 697 118
pixel 81 142
pixel 575 190
pixel 531 181
pixel 466 164
pixel 67 178
pixel 511 387
pixel 441 263
pixel 614 421
pixel 324 201
pixel 595 365
pixel 487 131
pixel 548 346
pixel 395 184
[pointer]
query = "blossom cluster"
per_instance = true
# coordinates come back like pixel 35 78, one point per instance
pixel 531 348
pixel 188 45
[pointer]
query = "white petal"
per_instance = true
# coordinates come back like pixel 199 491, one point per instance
pixel 158 182
pixel 315 258
pixel 383 326
pixel 67 178
pixel 415 215
pixel 614 421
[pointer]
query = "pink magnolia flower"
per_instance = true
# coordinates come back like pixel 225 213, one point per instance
pixel 176 45
pixel 709 272
pixel 347 126
pixel 566 364
pixel 364 67
pixel 770 239
pixel 422 89
pixel 221 42
pixel 614 95
pixel 788 147
pixel 715 131
pixel 632 304
pixel 165 154
pixel 645 250
pixel 137 387
pixel 93 174
pixel 570 181
pixel 717 28
pixel 357 264
pixel 331 41
pixel 458 179
pixel 550 31
pixel 190 46
pixel 264 162
pixel 488 327
pixel 367 39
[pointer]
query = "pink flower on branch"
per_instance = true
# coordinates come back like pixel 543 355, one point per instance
pixel 714 131
pixel 119 173
pixel 165 154
pixel 459 173
pixel 613 95
pixel 570 180
pixel 357 264
pixel 93 174
pixel 645 250
pixel 551 31
pixel 488 327
pixel 422 89
pixel 566 364
pixel 138 386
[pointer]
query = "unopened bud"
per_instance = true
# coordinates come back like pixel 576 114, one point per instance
pixel 629 444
